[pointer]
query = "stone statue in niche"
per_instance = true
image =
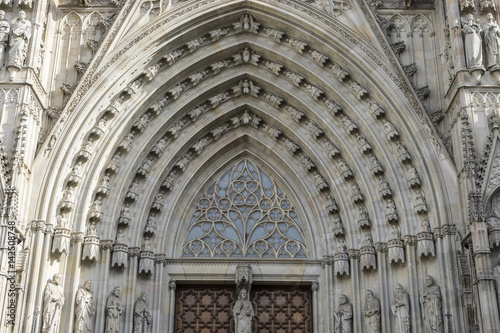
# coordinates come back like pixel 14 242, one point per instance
pixel 344 315
pixel 4 36
pixel 114 310
pixel 20 36
pixel 84 308
pixel 53 300
pixel 473 43
pixel 401 309
pixel 372 313
pixel 492 42
pixel 142 315
pixel 246 23
pixel 243 313
pixel 431 306
pixel 496 274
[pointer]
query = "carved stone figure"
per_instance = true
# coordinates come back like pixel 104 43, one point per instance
pixel 20 36
pixel 246 23
pixel 84 308
pixel 114 310
pixel 367 257
pixel 372 313
pixel 53 300
pixel 4 36
pixel 344 315
pixel 91 244
pixel 492 41
pixel 142 315
pixel 472 43
pixel 431 306
pixel 401 309
pixel 243 313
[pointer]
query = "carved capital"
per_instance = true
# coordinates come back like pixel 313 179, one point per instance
pixel 106 244
pixel 315 286
pixel 381 247
pixel 37 225
pixel 172 285
pixel 410 240
pixel 353 254
pixel 160 259
pixel 134 251
pixel 77 237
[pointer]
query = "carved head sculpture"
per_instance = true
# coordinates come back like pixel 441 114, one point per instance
pixel 87 285
pixel 144 296
pixel 429 280
pixel 470 18
pixel 56 279
pixel 342 299
pixel 398 288
pixel 2 14
pixel 369 294
pixel 22 15
pixel 117 291
pixel 243 294
pixel 489 17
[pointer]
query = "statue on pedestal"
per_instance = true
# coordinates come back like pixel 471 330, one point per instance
pixel 53 300
pixel 344 315
pixel 20 36
pixel 431 306
pixel 243 313
pixel 372 313
pixel 142 316
pixel 84 309
pixel 401 309
pixel 4 36
pixel 114 310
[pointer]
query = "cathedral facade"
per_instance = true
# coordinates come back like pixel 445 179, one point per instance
pixel 249 166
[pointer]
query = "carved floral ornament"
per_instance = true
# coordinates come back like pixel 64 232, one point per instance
pixel 247 56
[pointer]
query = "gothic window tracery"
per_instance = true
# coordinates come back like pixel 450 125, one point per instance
pixel 245 214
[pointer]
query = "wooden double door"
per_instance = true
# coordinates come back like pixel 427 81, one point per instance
pixel 208 309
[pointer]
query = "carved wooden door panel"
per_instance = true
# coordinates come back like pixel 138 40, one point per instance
pixel 208 309
pixel 204 309
pixel 282 310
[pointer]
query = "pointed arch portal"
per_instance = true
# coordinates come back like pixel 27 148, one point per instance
pixel 265 133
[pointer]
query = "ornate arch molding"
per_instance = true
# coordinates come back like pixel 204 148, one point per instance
pixel 91 105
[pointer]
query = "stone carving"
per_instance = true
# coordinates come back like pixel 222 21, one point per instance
pixel 412 177
pixel 243 274
pixel 96 210
pixel 356 195
pixel 114 310
pixel 133 191
pixel 246 87
pixel 84 308
pixel 151 224
pixel 243 313
pixel 295 78
pixel 272 131
pixel 349 125
pixel 217 99
pixel 341 74
pixel 333 107
pixel 363 144
pixel 423 92
pixel 363 217
pixel 425 242
pixel 320 58
pixel 492 42
pixel 273 67
pixel 275 100
pixel 391 213
pixel 172 57
pixel 246 23
pixel 385 190
pixel 367 257
pixel 487 5
pixel 114 164
pixel 343 316
pixel 62 237
pixel 331 204
pixel 142 315
pixel 401 309
pixel 217 34
pixel 67 88
pixel 420 205
pixel 219 66
pixel 91 244
pixel 159 104
pixel 315 92
pixel 197 111
pixel 376 109
pixel 411 69
pixel 274 34
pixel 294 113
pixel 341 259
pixel 120 250
pixel 297 45
pixel 178 90
pixel 333 150
pixel 200 145
pixel 320 181
pixel 403 154
pixel 158 202
pixel 4 36
pixel 306 161
pixel 372 313
pixel 159 147
pixel 246 56
pixel 76 174
pixel 20 36
pixel 338 228
pixel 98 130
pixel 195 44
pixel 375 166
pixel 126 143
pixel 390 131
pixel 146 258
pixel 146 166
pixel 431 306
pixel 67 200
pixel 86 151
pixel 53 300
pixel 396 251
pixel 151 71
pixel 197 77
pixel 358 90
pixel 184 161
pixel 315 131
pixel 473 43
pixel 398 47
pixel 292 146
pixel 133 87
pixel 169 181
pixel 344 169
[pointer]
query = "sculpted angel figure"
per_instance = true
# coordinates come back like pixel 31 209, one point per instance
pixel 243 313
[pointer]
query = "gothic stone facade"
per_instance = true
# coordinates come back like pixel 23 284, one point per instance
pixel 347 147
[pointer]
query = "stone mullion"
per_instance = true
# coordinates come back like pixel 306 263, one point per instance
pixel 485 282
pixel 130 286
pixel 37 245
pixel 101 296
pixel 385 311
pixel 411 262
pixel 74 260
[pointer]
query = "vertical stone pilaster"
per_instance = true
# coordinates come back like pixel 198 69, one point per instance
pixel 411 262
pixel 130 286
pixel 171 317
pixel 101 297
pixel 157 325
pixel 385 311
pixel 356 285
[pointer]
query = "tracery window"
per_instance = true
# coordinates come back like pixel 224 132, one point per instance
pixel 245 214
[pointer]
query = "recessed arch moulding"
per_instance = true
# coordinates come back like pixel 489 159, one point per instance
pixel 314 105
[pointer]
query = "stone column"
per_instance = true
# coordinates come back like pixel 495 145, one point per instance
pixel 157 325
pixel 328 295
pixel 171 318
pixel 315 287
pixel 385 317
pixel 131 282
pixel 488 299
pixel 101 297
pixel 357 313
pixel 411 260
